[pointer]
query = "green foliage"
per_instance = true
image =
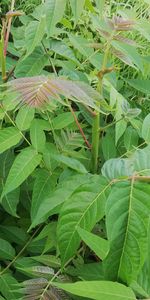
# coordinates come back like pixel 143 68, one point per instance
pixel 74 150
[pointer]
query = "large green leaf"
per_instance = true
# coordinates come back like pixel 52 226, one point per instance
pixel 98 245
pixel 23 166
pixel 32 65
pixel 42 189
pixel 129 54
pixel 24 117
pixel 8 286
pixel 60 195
pixel 140 85
pixel 14 234
pixel 6 250
pixel 71 163
pixel 9 137
pixel 77 8
pixel 91 271
pixel 63 49
pixel 141 162
pixel 10 202
pixel 117 168
pixel 130 138
pixel 54 13
pixel 98 290
pixel 37 136
pixel 143 281
pixel 84 208
pixel 127 219
pixel 33 34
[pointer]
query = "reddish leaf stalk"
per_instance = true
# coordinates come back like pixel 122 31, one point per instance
pixel 80 128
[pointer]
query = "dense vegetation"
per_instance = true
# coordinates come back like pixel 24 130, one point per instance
pixel 74 149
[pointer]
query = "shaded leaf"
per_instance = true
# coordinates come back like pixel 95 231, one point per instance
pixel 54 12
pixel 77 8
pixel 60 195
pixel 98 245
pixel 41 190
pixel 6 250
pixel 71 163
pixel 24 117
pixel 23 166
pixel 33 34
pixel 9 137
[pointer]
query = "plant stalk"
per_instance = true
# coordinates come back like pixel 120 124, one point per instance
pixel 96 120
pixel 2 57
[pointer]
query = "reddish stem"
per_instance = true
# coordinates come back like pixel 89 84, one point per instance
pixel 80 128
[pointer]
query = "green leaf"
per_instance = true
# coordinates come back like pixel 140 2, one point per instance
pixel 140 85
pixel 54 13
pixel 6 250
pixel 144 277
pixel 130 52
pixel 81 44
pixel 42 189
pixel 9 137
pixel 61 194
pixel 108 146
pixel 121 124
pixel 146 129
pixel 141 161
pixel 71 163
pixel 130 138
pixel 62 120
pixel 100 5
pixel 10 202
pixel 33 34
pixel 142 26
pixel 14 234
pixel 84 208
pixel 32 65
pixel 91 271
pixel 77 8
pixel 127 219
pixel 63 49
pixel 48 260
pixel 7 286
pixel 117 168
pixel 24 164
pixel 37 136
pixel 98 245
pixel 98 290
pixel 25 117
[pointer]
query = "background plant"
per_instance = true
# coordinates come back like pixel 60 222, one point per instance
pixel 74 150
